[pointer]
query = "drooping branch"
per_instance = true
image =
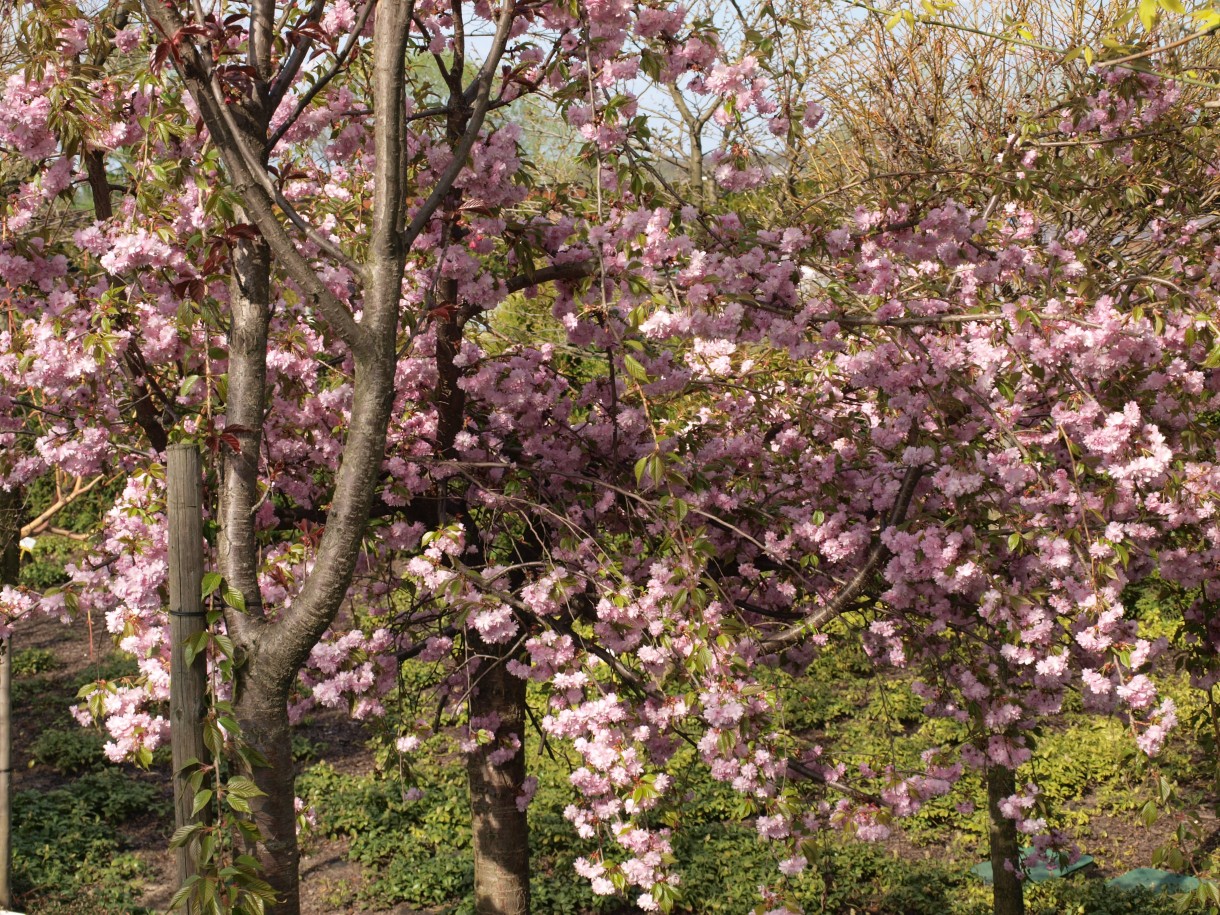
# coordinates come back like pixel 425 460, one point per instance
pixel 859 582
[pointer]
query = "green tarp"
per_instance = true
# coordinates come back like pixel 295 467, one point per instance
pixel 1036 874
pixel 1152 878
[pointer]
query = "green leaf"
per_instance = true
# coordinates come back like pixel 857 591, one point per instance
pixel 1149 814
pixel 240 786
pixel 194 646
pixel 202 799
pixel 225 644
pixel 188 384
pixel 183 834
pixel 641 468
pixel 178 900
pixel 235 599
pixel 1147 13
pixel 635 369
pixel 211 581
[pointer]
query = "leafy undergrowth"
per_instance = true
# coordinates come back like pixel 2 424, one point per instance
pixel 69 856
pixel 79 821
pixel 417 850
pixel 74 814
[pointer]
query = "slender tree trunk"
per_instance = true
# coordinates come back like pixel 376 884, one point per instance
pixel 245 404
pixel 501 832
pixel 10 560
pixel 6 773
pixel 188 682
pixel 695 165
pixel 1005 848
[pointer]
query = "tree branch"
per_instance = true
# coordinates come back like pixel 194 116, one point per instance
pixel 282 83
pixel 843 601
pixel 195 70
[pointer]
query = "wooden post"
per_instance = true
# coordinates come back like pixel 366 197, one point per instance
pixel 187 618
pixel 11 503
pixel 6 773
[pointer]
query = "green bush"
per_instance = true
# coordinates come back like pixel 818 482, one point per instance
pixel 44 568
pixel 66 845
pixel 69 751
pixel 32 661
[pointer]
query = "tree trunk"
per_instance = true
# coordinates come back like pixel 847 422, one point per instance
pixel 262 711
pixel 695 165
pixel 10 561
pixel 1005 849
pixel 6 773
pixel 245 403
pixel 501 832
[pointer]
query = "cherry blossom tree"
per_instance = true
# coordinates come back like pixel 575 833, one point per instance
pixel 954 430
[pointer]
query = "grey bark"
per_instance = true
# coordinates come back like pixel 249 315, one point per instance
pixel 250 302
pixel 500 829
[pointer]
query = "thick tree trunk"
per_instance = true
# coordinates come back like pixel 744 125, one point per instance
pixel 501 833
pixel 262 712
pixel 1005 848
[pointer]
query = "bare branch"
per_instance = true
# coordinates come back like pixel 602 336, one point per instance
pixel 79 489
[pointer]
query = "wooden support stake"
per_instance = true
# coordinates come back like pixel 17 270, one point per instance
pixel 11 505
pixel 187 618
pixel 6 773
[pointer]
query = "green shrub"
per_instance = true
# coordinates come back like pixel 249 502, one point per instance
pixel 69 751
pixel 44 567
pixel 66 846
pixel 33 661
